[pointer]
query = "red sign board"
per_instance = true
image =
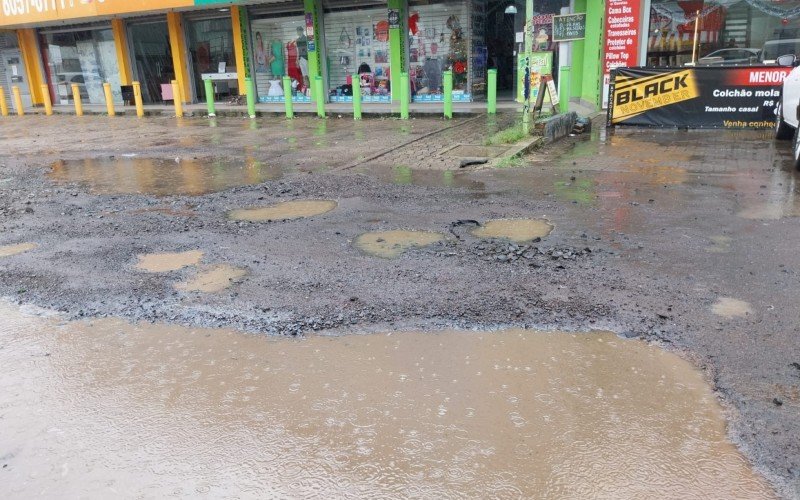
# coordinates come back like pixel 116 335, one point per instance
pixel 622 34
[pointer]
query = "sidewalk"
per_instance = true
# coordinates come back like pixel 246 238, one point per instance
pixel 331 109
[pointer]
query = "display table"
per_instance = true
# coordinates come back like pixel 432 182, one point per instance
pixel 220 80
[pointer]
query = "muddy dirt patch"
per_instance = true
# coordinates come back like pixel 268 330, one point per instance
pixel 166 262
pixel 516 230
pixel 156 410
pixel 392 244
pixel 9 250
pixel 286 210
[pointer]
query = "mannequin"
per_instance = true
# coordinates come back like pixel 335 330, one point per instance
pixel 302 54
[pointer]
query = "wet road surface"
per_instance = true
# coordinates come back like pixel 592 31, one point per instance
pixel 685 239
pixel 156 411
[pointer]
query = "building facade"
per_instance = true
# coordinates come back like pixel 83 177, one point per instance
pixel 364 45
pixel 354 45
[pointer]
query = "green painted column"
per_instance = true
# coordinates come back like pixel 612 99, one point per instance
pixel 319 89
pixel 578 49
pixel 313 14
pixel 405 98
pixel 491 92
pixel 287 97
pixel 448 94
pixel 356 97
pixel 251 97
pixel 529 34
pixel 593 53
pixel 398 43
pixel 212 110
pixel 563 91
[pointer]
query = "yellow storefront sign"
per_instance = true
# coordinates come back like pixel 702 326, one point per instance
pixel 109 7
pixel 633 96
pixel 19 12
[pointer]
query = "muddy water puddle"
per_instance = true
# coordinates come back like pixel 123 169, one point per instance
pixel 105 408
pixel 730 308
pixel 516 230
pixel 16 249
pixel 161 177
pixel 287 210
pixel 392 244
pixel 166 262
pixel 212 279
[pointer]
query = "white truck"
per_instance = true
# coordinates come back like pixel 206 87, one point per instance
pixel 787 112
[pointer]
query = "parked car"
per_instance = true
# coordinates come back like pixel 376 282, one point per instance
pixel 730 57
pixel 787 111
pixel 776 48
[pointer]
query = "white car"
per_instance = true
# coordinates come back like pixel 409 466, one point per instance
pixel 787 112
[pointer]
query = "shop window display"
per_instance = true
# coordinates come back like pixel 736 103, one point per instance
pixel 280 48
pixel 357 43
pixel 87 58
pixel 438 41
pixel 211 49
pixel 729 32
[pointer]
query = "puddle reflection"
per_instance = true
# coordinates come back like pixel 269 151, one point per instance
pixel 161 177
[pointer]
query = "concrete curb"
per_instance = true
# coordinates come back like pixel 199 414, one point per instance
pixel 235 113
pixel 517 150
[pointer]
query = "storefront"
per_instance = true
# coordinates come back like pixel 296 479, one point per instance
pixel 721 32
pixel 210 47
pixel 151 56
pixel 83 55
pixel 357 43
pixel 12 70
pixel 279 47
pixel 354 45
pixel 440 39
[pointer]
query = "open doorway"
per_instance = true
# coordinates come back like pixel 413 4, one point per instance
pixel 504 19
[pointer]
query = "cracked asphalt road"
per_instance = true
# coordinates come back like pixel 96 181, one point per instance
pixel 655 233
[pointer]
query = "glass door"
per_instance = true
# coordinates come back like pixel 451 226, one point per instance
pixel 152 58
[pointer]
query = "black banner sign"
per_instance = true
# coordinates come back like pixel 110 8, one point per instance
pixel 569 27
pixel 718 97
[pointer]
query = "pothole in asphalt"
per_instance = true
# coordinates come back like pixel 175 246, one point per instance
pixel 729 308
pixel 719 244
pixel 433 415
pixel 286 210
pixel 161 177
pixel 165 262
pixel 391 244
pixel 9 250
pixel 516 230
pixel 212 280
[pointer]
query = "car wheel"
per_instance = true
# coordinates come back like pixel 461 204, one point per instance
pixel 796 149
pixel 783 131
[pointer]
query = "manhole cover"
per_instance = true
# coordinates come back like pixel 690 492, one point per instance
pixel 474 151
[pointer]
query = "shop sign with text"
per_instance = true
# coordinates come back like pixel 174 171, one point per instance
pixel 622 36
pixel 18 12
pixel 719 97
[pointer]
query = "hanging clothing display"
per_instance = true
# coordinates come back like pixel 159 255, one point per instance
pixel 439 40
pixel 357 41
pixel 285 53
